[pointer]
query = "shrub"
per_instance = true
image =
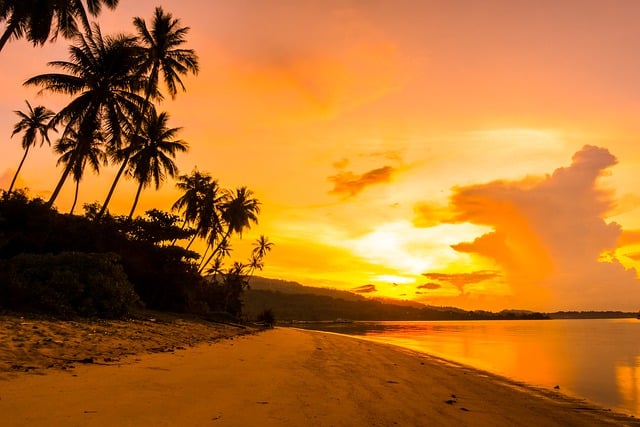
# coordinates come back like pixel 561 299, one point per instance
pixel 66 284
pixel 267 317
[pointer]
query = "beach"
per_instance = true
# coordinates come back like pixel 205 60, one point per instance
pixel 279 377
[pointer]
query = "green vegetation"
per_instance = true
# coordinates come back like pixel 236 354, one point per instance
pixel 98 264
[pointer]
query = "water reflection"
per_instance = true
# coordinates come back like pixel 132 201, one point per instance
pixel 596 359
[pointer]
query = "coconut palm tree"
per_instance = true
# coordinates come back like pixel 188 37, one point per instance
pixel 37 20
pixel 238 213
pixel 202 202
pixel 34 123
pixel 78 150
pixel 193 187
pixel 152 153
pixel 262 246
pixel 160 55
pixel 102 74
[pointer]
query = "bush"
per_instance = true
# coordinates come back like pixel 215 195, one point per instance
pixel 267 317
pixel 66 284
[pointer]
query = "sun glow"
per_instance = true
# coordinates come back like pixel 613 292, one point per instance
pixel 411 251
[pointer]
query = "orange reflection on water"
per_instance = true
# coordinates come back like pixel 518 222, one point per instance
pixel 628 380
pixel 595 359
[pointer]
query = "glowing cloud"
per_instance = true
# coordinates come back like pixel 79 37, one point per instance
pixel 349 184
pixel 458 280
pixel 365 289
pixel 549 235
pixel 430 286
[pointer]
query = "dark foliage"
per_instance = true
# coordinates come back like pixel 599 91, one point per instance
pixel 321 307
pixel 67 284
pixel 163 276
pixel 266 317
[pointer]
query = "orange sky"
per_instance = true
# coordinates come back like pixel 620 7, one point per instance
pixel 476 154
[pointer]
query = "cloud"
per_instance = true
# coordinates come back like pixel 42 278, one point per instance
pixel 428 215
pixel 459 280
pixel 365 289
pixel 430 286
pixel 349 184
pixel 341 164
pixel 629 237
pixel 549 235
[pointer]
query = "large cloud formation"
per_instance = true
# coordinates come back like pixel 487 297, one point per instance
pixel 549 236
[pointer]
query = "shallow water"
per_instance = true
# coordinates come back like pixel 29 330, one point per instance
pixel 598 359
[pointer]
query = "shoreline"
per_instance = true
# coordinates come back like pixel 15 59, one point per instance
pixel 287 377
pixel 541 390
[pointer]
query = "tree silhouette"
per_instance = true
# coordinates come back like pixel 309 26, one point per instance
pixel 37 20
pixel 77 150
pixel 102 74
pixel 35 123
pixel 152 152
pixel 160 55
pixel 193 187
pixel 201 204
pixel 237 213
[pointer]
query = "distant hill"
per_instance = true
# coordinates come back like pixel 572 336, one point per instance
pixel 592 315
pixel 289 287
pixel 293 301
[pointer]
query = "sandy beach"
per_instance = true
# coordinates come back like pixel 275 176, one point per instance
pixel 282 377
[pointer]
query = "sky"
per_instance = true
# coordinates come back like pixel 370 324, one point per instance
pixel 483 155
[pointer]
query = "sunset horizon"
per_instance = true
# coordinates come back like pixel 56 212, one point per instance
pixel 482 157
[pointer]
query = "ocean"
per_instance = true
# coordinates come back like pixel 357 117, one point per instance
pixel 596 359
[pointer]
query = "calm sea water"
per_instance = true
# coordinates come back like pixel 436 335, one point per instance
pixel 595 359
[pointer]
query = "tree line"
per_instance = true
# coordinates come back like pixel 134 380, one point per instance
pixel 114 83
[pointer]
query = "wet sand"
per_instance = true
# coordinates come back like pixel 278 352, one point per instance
pixel 285 377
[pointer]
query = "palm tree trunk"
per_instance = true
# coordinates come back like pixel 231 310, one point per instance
pixel 204 255
pixel 13 181
pixel 135 201
pixel 8 32
pixel 75 197
pixel 193 239
pixel 184 225
pixel 126 159
pixel 215 251
pixel 113 187
pixel 63 178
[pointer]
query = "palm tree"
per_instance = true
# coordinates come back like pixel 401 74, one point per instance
pixel 193 187
pixel 77 150
pixel 102 74
pixel 261 247
pixel 201 203
pixel 238 213
pixel 152 153
pixel 36 20
pixel 160 55
pixel 36 122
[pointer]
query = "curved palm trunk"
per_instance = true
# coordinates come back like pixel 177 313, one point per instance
pixel 125 161
pixel 135 201
pixel 173 242
pixel 75 197
pixel 215 251
pixel 193 239
pixel 8 32
pixel 204 256
pixel 63 178
pixel 13 181
pixel 113 187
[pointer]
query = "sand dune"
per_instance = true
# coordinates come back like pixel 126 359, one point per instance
pixel 286 377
